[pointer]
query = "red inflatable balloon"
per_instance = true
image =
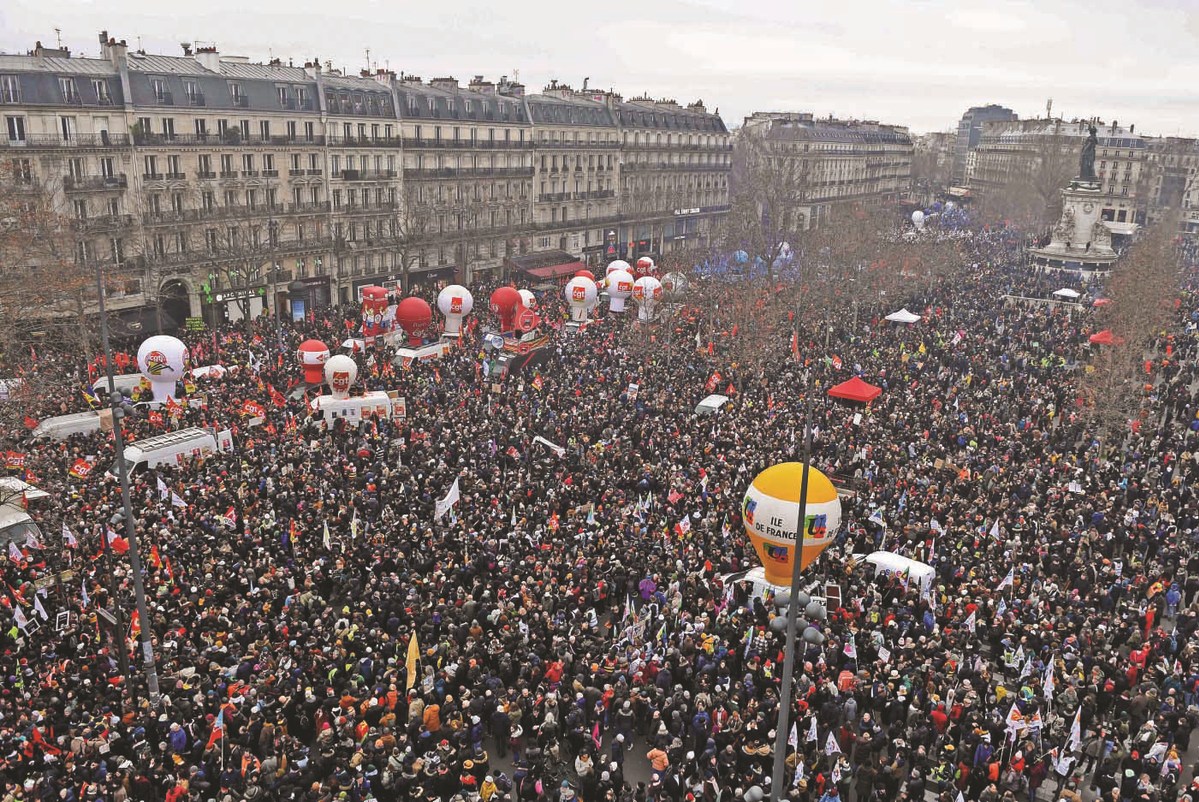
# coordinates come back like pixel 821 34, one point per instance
pixel 414 316
pixel 504 302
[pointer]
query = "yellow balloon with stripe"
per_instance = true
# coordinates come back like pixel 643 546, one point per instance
pixel 770 512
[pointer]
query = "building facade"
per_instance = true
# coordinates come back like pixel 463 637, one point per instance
pixel 1047 147
pixel 210 185
pixel 835 162
pixel 969 132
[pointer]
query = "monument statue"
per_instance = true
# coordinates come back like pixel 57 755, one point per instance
pixel 1065 226
pixel 1100 236
pixel 1086 159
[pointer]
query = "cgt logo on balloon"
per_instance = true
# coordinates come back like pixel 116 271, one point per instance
pixel 340 382
pixel 156 363
pixel 578 293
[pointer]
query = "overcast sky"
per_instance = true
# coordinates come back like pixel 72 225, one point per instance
pixel 913 62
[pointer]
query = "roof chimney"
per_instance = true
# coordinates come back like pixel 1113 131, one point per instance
pixel 449 84
pixel 209 58
pixel 112 50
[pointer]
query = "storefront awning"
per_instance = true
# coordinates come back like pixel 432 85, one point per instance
pixel 549 264
pixel 557 271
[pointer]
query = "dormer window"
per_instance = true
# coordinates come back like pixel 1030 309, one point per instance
pixel 69 94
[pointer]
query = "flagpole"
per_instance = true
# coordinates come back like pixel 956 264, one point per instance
pixel 781 729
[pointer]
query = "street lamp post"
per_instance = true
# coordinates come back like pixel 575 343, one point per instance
pixel 139 591
pixel 784 720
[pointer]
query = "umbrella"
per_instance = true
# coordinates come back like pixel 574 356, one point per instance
pixel 1066 292
pixel 1102 302
pixel 1105 337
pixel 855 390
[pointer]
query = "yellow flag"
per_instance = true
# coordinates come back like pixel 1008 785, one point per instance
pixel 410 663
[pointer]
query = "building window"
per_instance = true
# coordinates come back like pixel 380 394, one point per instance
pixel 16 128
pixel 101 88
pixel 10 89
pixel 69 93
pixel 236 94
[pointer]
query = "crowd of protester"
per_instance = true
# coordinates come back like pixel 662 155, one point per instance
pixel 577 634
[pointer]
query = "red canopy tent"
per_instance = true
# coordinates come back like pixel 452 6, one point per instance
pixel 855 390
pixel 1105 337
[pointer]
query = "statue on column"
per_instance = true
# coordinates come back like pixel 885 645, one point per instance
pixel 1086 159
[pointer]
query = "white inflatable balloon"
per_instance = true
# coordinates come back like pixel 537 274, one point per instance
pixel 340 373
pixel 528 299
pixel 163 361
pixel 674 285
pixel 581 295
pixel 620 289
pixel 619 264
pixel 647 291
pixel 455 303
pixel 918 219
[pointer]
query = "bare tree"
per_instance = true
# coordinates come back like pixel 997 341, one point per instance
pixel 1025 187
pixel 46 282
pixel 410 230
pixel 1142 292
pixel 768 192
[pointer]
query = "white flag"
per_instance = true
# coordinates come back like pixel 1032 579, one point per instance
pixel 176 501
pixel 18 617
pixel 68 539
pixel 995 529
pixel 884 654
pixel 354 525
pixel 851 649
pixel 798 774
pixel 876 517
pixel 1008 580
pixel 163 490
pixel 326 539
pixel 86 601
pixel 935 525
pixel 971 623
pixel 14 553
pixel 445 504
pixel 831 747
pixel 1048 682
pixel 39 609
pixel 1075 739
pixel 793 738
pixel 812 735
pixel 960 797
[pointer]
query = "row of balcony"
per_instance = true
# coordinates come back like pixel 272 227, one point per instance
pixel 41 141
pixel 556 197
pixel 231 136
pixel 678 166
pixel 427 173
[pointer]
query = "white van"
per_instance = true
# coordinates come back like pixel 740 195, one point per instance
pixel 125 382
pixel 60 427
pixel 171 448
pixel 885 563
pixel 15 523
pixel 361 407
pixel 712 404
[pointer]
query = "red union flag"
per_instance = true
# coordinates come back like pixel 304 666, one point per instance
pixel 713 381
pixel 14 460
pixel 81 469
pixel 252 409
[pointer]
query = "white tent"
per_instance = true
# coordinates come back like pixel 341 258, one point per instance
pixel 1066 292
pixel 903 316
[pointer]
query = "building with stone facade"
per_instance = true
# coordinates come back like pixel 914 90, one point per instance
pixel 836 162
pixel 969 132
pixel 209 185
pixel 1008 151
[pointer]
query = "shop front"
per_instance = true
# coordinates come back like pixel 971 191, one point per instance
pixel 308 294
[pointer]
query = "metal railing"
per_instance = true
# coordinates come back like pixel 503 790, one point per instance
pixel 426 173
pixel 101 140
pixel 101 182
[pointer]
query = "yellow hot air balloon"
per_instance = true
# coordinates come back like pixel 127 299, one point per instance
pixel 770 511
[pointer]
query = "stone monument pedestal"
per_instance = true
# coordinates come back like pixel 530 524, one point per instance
pixel 1080 240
